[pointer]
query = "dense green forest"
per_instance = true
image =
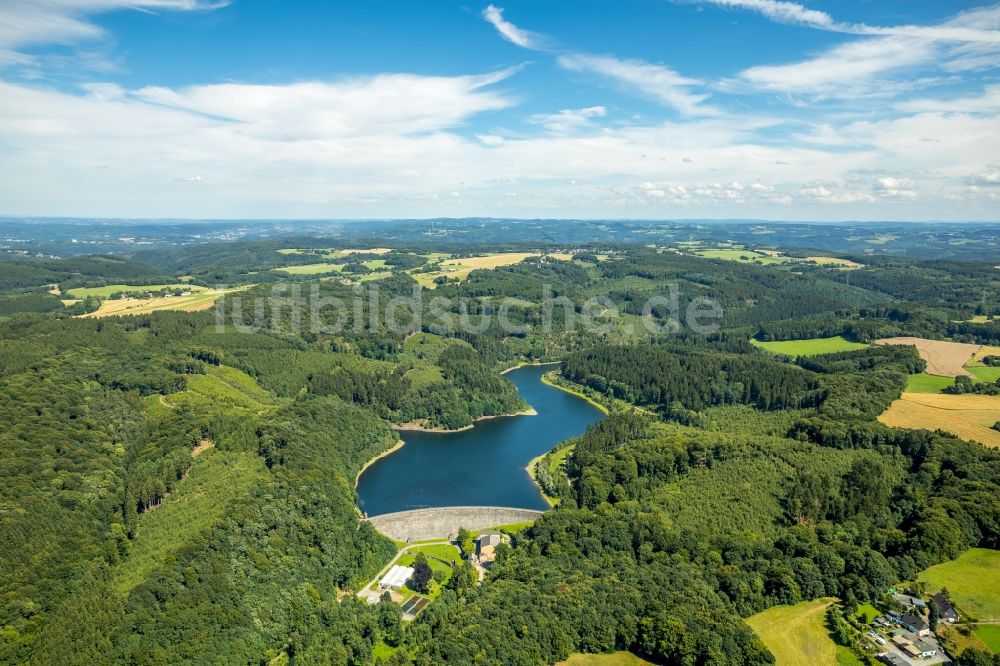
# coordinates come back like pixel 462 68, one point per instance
pixel 178 487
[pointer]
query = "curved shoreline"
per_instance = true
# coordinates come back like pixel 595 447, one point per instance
pixel 527 365
pixel 578 394
pixel 357 477
pixel 414 427
pixel 530 469
pixel 530 411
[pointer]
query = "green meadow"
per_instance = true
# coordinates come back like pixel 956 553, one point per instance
pixel 797 635
pixel 810 347
pixel 972 581
pixel 311 269
pixel 107 290
pixel 924 383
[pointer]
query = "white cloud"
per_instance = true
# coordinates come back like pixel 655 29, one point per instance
pixel 396 145
pixel 25 23
pixel 867 66
pixel 847 70
pixel 823 194
pixel 655 81
pixel 783 12
pixel 382 104
pixel 797 14
pixel 987 178
pixel 987 102
pixel 523 38
pixel 900 188
pixel 569 120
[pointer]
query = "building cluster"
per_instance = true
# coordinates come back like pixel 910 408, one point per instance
pixel 906 637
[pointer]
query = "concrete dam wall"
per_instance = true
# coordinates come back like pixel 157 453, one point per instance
pixel 440 523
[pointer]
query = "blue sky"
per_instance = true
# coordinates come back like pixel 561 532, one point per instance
pixel 857 109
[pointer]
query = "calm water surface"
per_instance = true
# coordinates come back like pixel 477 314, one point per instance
pixel 483 466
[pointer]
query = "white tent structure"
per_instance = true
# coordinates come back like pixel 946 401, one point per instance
pixel 396 578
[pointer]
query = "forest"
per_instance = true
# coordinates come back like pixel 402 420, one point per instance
pixel 180 490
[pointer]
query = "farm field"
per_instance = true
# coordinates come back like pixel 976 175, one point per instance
pixel 985 350
pixel 107 290
pixel 135 306
pixel 460 268
pixel 334 253
pixel 311 269
pixel 810 347
pixel 989 634
pixel 924 383
pixel 834 261
pixel 973 583
pixel 609 659
pixel 968 416
pixel 985 373
pixel 945 359
pixel 744 255
pixel 797 635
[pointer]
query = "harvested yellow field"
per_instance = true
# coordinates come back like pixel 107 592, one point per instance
pixel 985 350
pixel 333 253
pixel 561 256
pixel 370 250
pixel 489 260
pixel 137 306
pixel 968 416
pixel 845 263
pixel 944 358
pixel 459 269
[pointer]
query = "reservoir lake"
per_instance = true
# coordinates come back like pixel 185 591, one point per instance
pixel 481 466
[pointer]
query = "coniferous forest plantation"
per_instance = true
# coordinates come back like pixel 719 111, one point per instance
pixel 183 423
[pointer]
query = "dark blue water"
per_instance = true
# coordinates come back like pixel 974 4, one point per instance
pixel 483 466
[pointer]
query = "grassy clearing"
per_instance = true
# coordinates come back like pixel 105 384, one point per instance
pixel 868 612
pixel 972 581
pixel 924 383
pixel 985 373
pixel 959 639
pixel 225 386
pixel 609 659
pixel 198 503
pixel 968 416
pixel 311 269
pixel 432 552
pixel 383 651
pixel 797 634
pixel 809 347
pixel 371 277
pixel 989 634
pixel 513 528
pixel 558 459
pixel 847 658
pixel 106 291
pixel 442 551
